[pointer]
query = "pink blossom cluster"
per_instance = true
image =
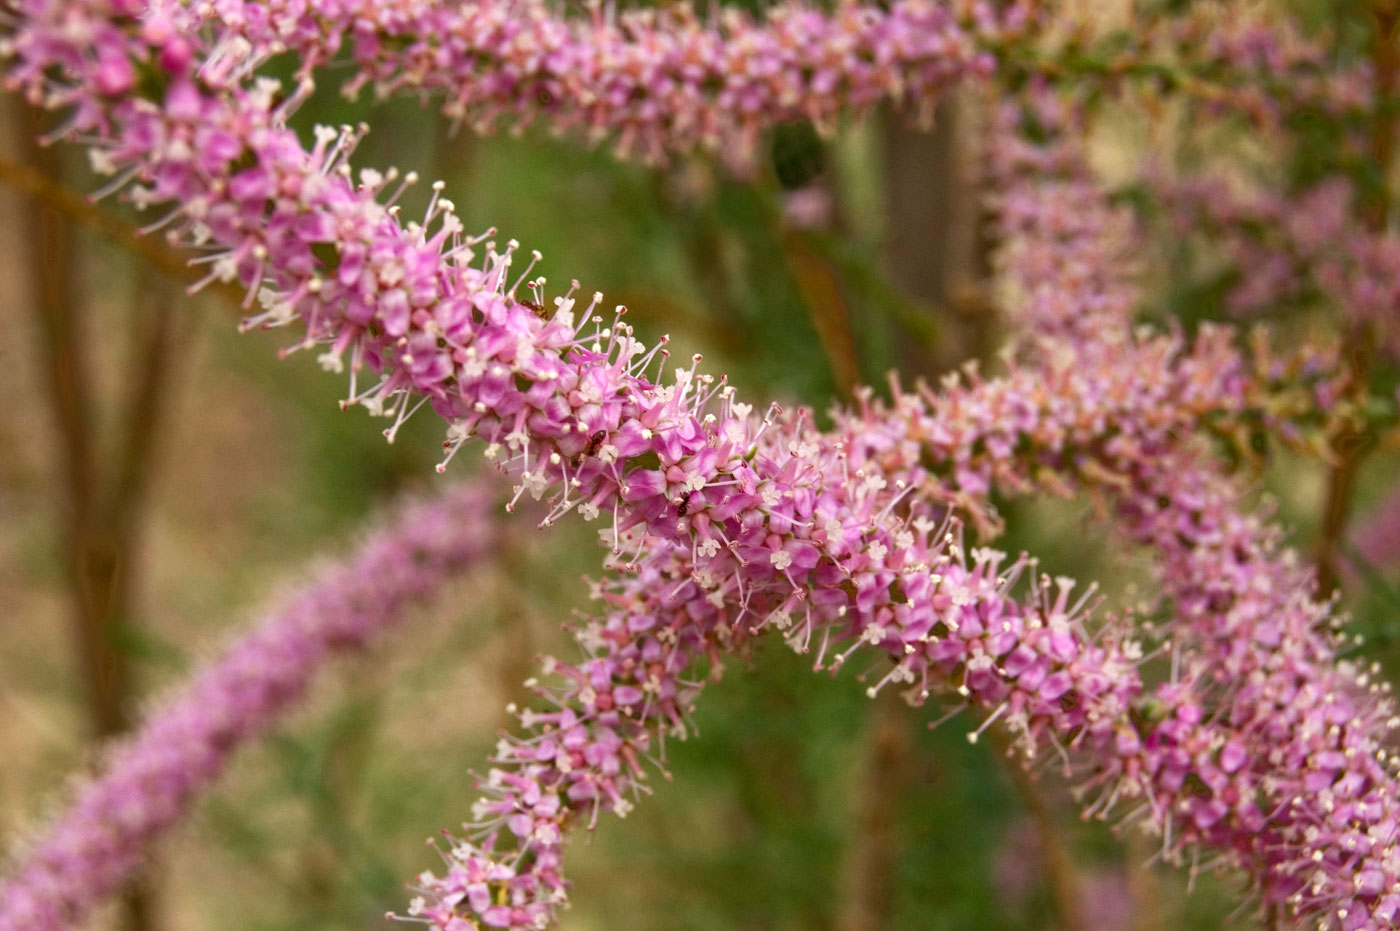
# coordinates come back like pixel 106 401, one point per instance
pixel 942 620
pixel 1146 751
pixel 1159 765
pixel 1253 61
pixel 662 81
pixel 1286 249
pixel 725 524
pixel 654 81
pixel 148 781
pixel 1289 754
pixel 1259 745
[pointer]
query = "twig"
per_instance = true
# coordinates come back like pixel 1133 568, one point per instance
pixel 66 368
pixel 1058 863
pixel 1351 444
pixel 831 318
pixel 63 200
pixel 871 868
pixel 937 247
pixel 1349 449
pixel 1142 883
pixel 150 376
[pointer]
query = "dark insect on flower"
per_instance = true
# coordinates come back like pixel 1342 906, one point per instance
pixel 683 504
pixel 535 308
pixel 594 442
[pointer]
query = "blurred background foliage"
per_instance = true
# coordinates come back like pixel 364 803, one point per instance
pixel 802 805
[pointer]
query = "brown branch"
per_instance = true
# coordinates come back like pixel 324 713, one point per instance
pixel 868 878
pixel 826 307
pixel 51 272
pixel 1353 442
pixel 1056 859
pixel 937 246
pixel 1349 449
pixel 62 200
pixel 151 372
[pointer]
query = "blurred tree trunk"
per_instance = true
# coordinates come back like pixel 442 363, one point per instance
pixel 931 239
pixel 871 866
pixel 102 491
pixel 935 241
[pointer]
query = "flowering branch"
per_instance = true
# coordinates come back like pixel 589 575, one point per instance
pixel 657 82
pixel 654 81
pixel 582 756
pixel 1260 744
pixel 150 779
pixel 731 523
pixel 1285 250
pixel 1030 661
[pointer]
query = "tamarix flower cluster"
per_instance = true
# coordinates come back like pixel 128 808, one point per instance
pixel 149 781
pixel 652 80
pixel 1230 728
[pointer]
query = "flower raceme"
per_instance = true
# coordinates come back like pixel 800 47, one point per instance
pixel 1285 754
pixel 661 82
pixel 149 780
pixel 568 408
pixel 649 649
pixel 762 519
pixel 1086 390
pixel 944 621
pixel 1260 744
pixel 1285 249
pixel 654 81
pixel 564 404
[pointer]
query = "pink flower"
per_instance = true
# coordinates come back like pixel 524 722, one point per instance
pixel 149 780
